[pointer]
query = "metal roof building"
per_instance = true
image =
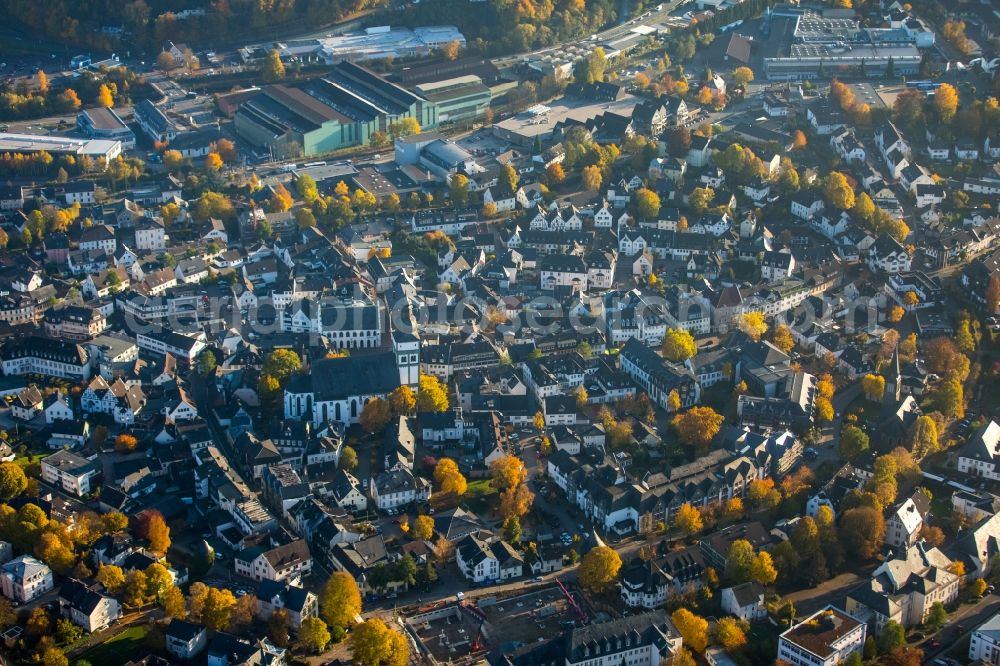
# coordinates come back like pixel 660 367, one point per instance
pixel 59 145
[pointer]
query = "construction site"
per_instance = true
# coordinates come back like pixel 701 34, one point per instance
pixel 465 632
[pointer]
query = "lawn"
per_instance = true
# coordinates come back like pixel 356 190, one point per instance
pixel 866 410
pixel 477 495
pixel 29 459
pixel 126 646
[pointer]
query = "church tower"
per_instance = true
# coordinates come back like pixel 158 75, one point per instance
pixel 893 379
pixel 406 346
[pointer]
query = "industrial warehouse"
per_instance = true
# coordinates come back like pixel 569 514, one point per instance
pixel 345 107
pixel 339 110
pixel 833 42
pixel 371 44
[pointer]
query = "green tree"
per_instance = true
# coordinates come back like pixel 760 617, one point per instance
pixel 281 364
pixel 853 442
pixel 592 68
pixel 937 617
pixel 922 438
pixel 893 635
pixel 512 529
pixel 739 562
pixel 305 185
pixel 206 362
pixel 67 631
pixel 964 338
pixel 158 581
pixel 304 218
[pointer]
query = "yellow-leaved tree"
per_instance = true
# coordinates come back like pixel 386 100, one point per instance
pixel 598 569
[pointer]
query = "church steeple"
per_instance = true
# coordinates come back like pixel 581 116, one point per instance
pixel 893 378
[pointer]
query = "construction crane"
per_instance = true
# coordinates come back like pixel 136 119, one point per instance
pixel 580 615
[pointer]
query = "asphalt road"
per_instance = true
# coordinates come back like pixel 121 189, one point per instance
pixel 960 625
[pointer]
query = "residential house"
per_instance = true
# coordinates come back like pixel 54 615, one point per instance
pixel 24 579
pixel 886 255
pixel 289 562
pixel 482 562
pixel 398 487
pixel 981 454
pixel 643 584
pixel 185 640
pixel 745 601
pixel 87 608
pixel 28 404
pixel 902 527
pixel 297 602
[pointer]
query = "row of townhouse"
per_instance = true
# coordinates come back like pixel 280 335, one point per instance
pixel 602 491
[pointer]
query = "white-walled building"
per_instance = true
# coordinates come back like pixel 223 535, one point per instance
pixel 70 472
pixel 825 638
pixel 25 578
pixel 985 641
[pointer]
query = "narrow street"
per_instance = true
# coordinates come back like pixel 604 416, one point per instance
pixel 960 625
